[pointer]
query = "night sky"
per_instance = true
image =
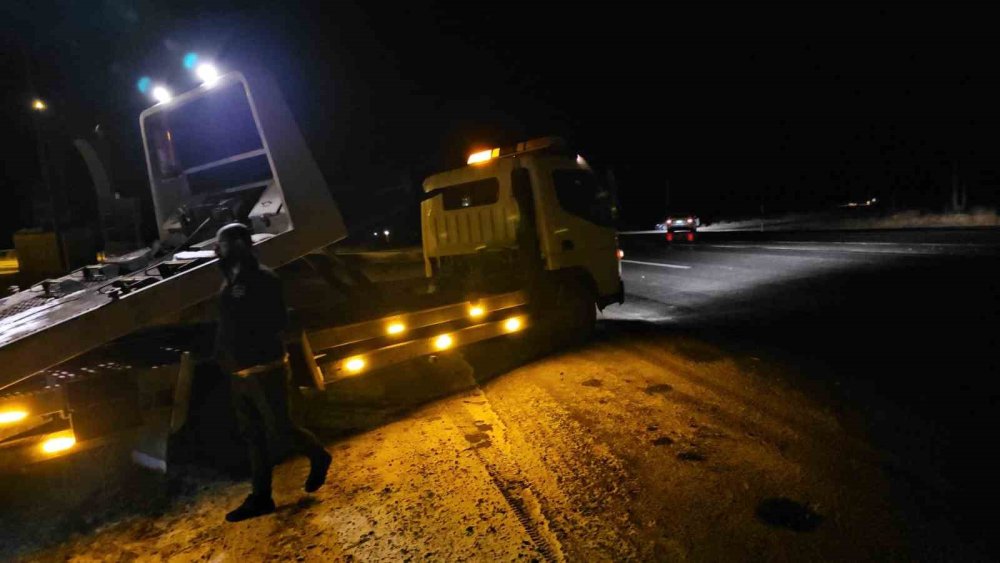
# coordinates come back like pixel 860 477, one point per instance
pixel 734 106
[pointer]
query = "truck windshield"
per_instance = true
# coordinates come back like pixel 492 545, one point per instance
pixel 581 194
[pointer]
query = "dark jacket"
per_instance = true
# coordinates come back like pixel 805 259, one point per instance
pixel 252 316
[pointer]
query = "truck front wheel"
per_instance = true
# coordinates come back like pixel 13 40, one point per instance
pixel 578 311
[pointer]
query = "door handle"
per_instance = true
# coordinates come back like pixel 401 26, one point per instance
pixel 568 244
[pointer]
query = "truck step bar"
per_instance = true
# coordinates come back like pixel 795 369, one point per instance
pixel 351 350
pixel 403 323
pixel 386 356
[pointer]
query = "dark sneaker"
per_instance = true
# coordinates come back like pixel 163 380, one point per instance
pixel 252 507
pixel 319 465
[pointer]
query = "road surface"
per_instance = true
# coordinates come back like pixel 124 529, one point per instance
pixel 781 397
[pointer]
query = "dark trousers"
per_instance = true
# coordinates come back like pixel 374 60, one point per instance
pixel 261 404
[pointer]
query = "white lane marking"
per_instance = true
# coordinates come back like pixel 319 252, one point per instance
pixel 857 243
pixel 677 266
pixel 830 248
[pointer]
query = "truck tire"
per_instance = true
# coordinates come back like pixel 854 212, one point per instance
pixel 588 318
pixel 578 311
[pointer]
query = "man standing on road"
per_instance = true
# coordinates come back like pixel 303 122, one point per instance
pixel 248 344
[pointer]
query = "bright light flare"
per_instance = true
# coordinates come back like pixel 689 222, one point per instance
pixel 395 328
pixel 39 105
pixel 10 417
pixel 621 254
pixel 443 342
pixel 354 365
pixel 161 94
pixel 476 311
pixel 207 73
pixel 513 324
pixel 483 156
pixel 58 444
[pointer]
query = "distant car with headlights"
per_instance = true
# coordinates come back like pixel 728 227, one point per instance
pixel 680 222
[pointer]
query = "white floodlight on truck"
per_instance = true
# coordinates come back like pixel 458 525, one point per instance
pixel 208 74
pixel 161 94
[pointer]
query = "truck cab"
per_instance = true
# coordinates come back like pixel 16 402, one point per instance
pixel 534 205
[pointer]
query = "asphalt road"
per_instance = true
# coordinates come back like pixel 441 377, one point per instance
pixel 894 330
pixel 793 397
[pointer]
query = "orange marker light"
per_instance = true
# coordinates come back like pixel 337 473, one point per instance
pixel 443 342
pixel 58 444
pixel 10 417
pixel 354 365
pixel 483 156
pixel 512 324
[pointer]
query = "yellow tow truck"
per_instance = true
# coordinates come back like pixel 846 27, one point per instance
pixel 520 238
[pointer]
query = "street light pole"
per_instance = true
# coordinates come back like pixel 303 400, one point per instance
pixel 39 108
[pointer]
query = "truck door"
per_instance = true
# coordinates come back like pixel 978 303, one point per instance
pixel 578 225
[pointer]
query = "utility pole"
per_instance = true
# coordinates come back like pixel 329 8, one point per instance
pixel 959 193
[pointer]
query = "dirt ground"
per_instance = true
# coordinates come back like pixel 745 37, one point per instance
pixel 640 446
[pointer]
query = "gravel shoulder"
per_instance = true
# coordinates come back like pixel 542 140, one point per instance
pixel 640 446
